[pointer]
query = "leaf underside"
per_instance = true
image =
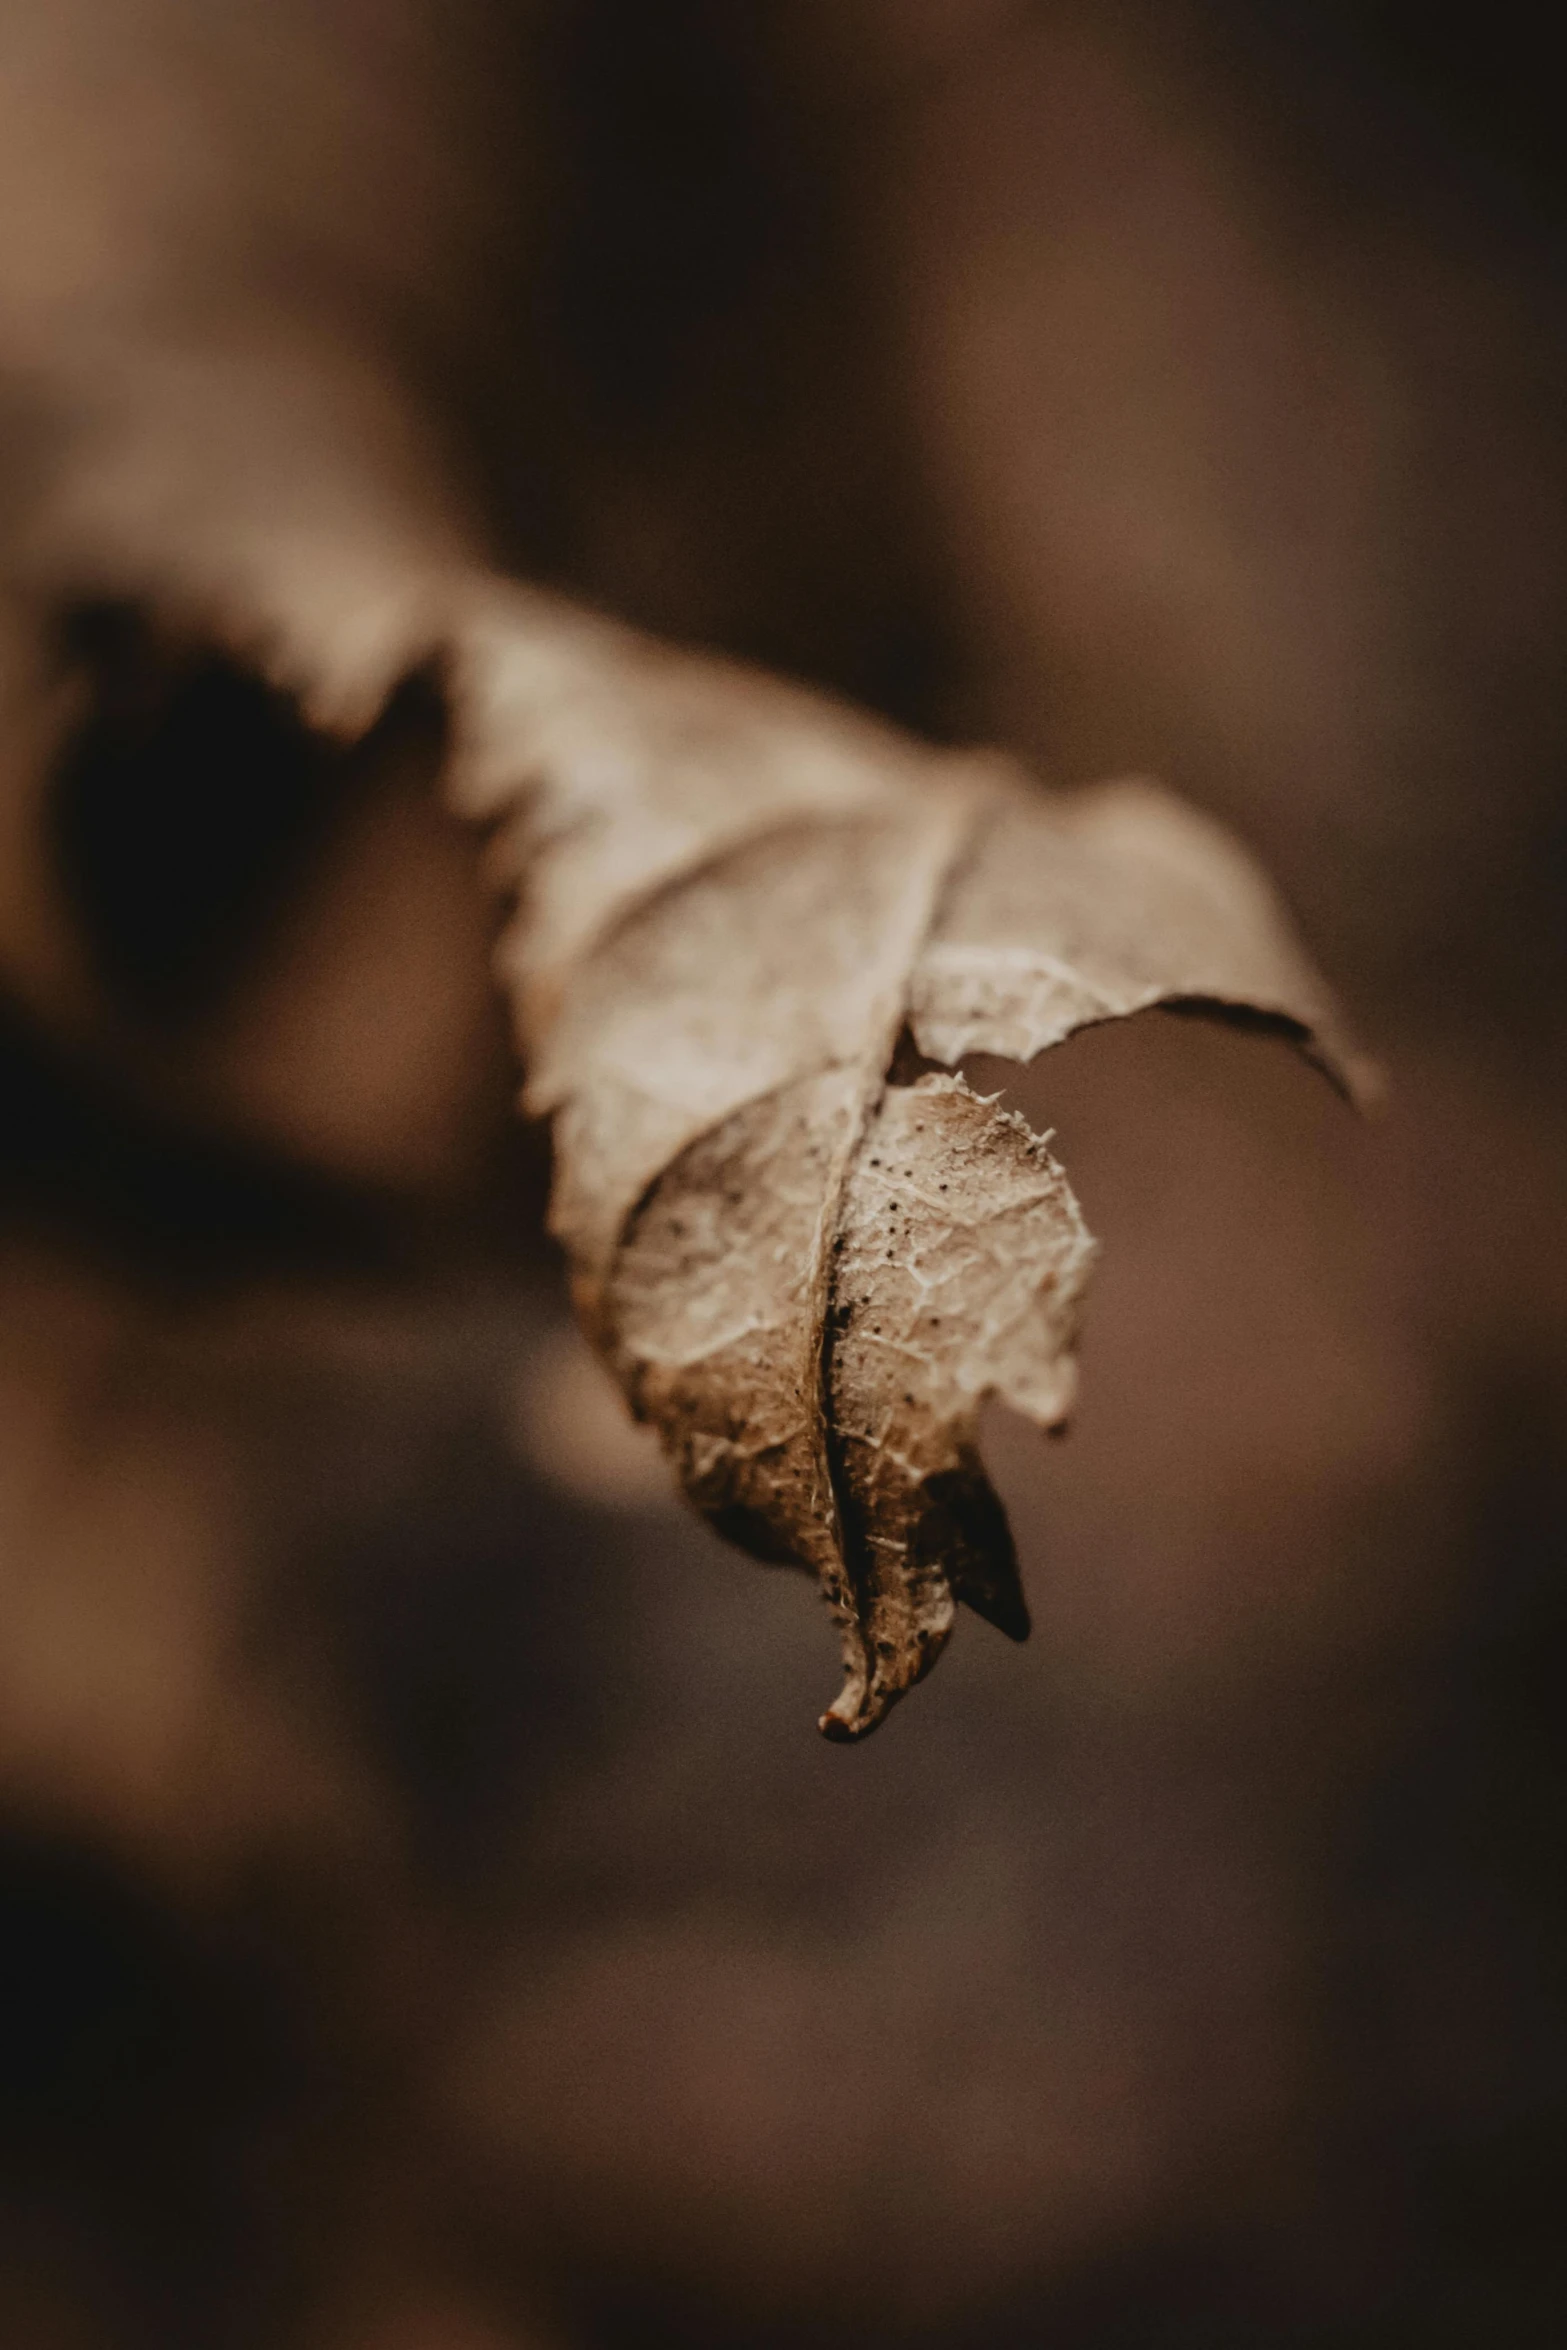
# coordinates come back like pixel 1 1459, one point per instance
pixel 743 917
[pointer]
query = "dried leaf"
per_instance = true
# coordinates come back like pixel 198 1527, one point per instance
pixel 747 923
pixel 736 902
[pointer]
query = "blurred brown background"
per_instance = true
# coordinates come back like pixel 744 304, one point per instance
pixel 427 1918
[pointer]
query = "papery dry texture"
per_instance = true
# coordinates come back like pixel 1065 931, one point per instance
pixel 748 923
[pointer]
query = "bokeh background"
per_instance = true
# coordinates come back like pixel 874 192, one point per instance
pixel 428 1920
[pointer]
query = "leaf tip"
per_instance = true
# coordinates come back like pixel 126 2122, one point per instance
pixel 997 1601
pixel 862 1702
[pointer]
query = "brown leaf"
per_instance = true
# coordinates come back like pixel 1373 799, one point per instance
pixel 734 901
pixel 744 915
